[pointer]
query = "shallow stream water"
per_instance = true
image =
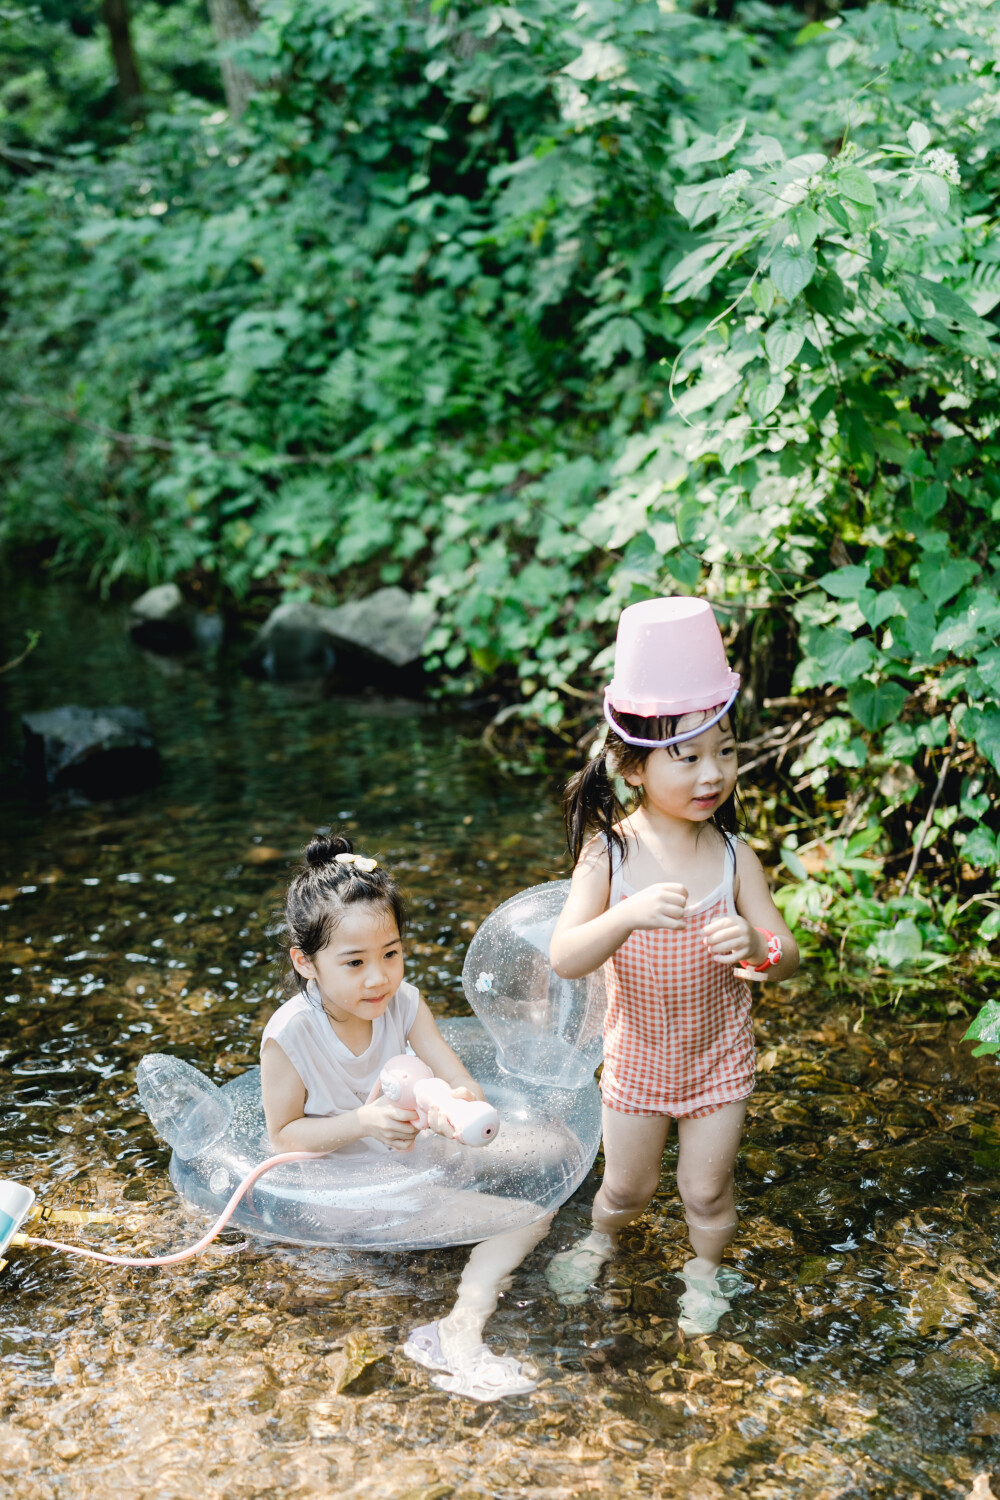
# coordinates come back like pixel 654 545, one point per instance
pixel 863 1360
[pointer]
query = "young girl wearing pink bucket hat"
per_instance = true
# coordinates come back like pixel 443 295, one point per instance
pixel 678 910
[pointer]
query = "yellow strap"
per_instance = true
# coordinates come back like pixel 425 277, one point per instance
pixel 3 1263
pixel 17 1239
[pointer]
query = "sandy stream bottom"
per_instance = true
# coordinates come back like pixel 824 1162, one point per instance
pixel 863 1359
pixel 861 1363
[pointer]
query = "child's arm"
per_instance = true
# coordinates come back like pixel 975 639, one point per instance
pixel 431 1047
pixel 589 931
pixel 290 1129
pixel 731 939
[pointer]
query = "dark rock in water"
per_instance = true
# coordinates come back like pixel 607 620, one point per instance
pixel 387 628
pixel 162 620
pixel 293 644
pixel 378 639
pixel 102 752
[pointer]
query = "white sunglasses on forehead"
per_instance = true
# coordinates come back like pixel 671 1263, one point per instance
pixel 674 739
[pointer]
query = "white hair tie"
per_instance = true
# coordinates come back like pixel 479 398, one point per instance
pixel 359 861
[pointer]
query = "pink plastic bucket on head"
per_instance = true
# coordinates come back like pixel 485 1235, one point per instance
pixel 670 660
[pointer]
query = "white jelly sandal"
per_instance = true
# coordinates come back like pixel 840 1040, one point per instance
pixel 572 1271
pixel 484 1376
pixel 423 1346
pixel 701 1306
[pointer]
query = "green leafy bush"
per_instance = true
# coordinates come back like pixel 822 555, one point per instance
pixel 542 309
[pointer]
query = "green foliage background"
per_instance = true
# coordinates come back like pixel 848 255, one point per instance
pixel 541 309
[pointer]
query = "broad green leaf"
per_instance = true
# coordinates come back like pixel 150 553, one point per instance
pixel 980 848
pixel 951 305
pixel 694 262
pixel 828 295
pixel 807 225
pixel 791 270
pixel 876 704
pixel 814 30
pixel 783 345
pixel 976 624
pixel 880 251
pixel 917 629
pixel 988 670
pixel 928 499
pixel 940 583
pixel 712 148
pixel 857 186
pixel 763 294
pixel 699 202
pixel 843 660
pixel 793 863
pixel 845 583
pixel 879 606
pixel 897 945
pixel 986 1026
pixel 991 927
pixel 838 213
pixel 983 726
pixel 765 393
pixel 935 190
pixel 918 136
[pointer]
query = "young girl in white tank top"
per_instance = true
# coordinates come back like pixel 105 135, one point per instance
pixel 322 1052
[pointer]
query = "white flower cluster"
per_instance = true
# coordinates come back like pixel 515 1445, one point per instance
pixel 736 182
pixel 944 163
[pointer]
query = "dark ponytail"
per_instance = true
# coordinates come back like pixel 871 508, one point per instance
pixel 323 886
pixel 592 805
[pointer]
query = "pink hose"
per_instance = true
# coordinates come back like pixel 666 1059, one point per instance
pixel 181 1255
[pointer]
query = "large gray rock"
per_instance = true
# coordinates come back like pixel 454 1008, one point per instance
pixel 162 620
pixel 388 627
pixel 379 637
pixel 102 752
pixel 292 644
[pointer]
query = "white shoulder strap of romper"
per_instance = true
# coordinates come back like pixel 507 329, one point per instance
pixel 730 875
pixel 617 860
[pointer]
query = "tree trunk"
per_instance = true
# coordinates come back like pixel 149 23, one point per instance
pixel 232 20
pixel 115 15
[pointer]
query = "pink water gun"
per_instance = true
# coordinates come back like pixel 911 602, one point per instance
pixel 411 1084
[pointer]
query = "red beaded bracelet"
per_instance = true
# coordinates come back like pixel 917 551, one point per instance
pixel 774 953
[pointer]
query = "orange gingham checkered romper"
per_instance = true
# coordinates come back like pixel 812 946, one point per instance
pixel 677 1034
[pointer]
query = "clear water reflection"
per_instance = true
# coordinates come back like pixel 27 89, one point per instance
pixel 863 1362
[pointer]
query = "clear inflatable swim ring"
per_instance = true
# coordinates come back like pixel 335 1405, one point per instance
pixel 532 1049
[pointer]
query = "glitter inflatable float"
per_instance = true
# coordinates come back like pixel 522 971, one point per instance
pixel 533 1045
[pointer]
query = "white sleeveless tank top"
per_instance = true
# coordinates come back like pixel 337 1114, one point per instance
pixel 335 1080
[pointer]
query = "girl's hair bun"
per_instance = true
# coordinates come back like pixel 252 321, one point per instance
pixel 324 848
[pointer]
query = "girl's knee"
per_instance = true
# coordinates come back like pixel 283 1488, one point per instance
pixel 630 1195
pixel 704 1202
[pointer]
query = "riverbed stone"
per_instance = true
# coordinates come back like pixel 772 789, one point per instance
pixel 162 620
pixel 368 640
pixel 294 643
pixel 101 752
pixel 387 628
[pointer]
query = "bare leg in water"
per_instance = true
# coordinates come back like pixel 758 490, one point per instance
pixel 633 1148
pixel 454 1347
pixel 705 1164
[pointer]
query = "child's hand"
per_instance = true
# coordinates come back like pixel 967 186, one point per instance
pixel 658 906
pixel 388 1123
pixel 436 1118
pixel 731 939
pixel 470 1091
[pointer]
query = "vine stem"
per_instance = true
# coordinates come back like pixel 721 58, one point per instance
pixel 925 825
